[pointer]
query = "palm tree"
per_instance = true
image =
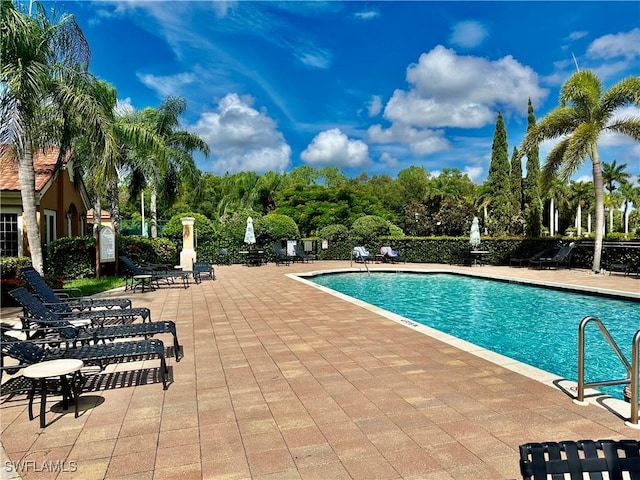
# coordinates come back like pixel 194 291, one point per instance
pixel 630 195
pixel 47 97
pixel 181 144
pixel 612 174
pixel 580 194
pixel 584 113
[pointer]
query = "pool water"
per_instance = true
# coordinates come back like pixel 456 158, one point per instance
pixel 536 326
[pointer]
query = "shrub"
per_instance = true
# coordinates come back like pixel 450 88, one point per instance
pixel 278 228
pixel 339 245
pixel 70 258
pixel 10 277
pixel 141 249
pixel 367 229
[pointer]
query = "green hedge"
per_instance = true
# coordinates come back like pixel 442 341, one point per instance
pixel 70 258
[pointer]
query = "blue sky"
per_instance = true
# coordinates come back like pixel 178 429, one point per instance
pixel 365 86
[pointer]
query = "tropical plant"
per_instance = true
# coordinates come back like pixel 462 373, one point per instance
pixel 580 195
pixel 612 174
pixel 584 113
pixel 181 144
pixel 47 97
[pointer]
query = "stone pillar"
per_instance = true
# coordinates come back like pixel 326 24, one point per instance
pixel 188 254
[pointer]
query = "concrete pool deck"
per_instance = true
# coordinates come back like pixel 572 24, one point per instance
pixel 281 380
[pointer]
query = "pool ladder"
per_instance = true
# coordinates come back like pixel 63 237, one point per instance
pixel 631 368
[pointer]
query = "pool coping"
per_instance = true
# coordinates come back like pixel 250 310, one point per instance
pixel 569 387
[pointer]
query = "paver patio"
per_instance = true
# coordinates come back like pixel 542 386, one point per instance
pixel 280 380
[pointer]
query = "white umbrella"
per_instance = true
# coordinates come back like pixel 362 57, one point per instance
pixel 474 238
pixel 249 235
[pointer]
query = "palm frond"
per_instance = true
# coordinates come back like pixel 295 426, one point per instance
pixel 628 126
pixel 624 92
pixel 553 162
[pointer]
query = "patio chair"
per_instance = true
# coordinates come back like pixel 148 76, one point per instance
pixel 301 255
pixel 389 255
pixel 28 352
pixel 280 255
pixel 63 302
pixel 361 255
pixel 562 256
pixel 202 268
pixel 150 275
pixel 223 257
pixel 540 461
pixel 31 304
pixel 48 322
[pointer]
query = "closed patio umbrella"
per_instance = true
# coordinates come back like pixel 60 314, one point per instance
pixel 249 235
pixel 474 237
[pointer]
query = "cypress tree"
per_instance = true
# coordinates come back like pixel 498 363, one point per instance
pixel 499 167
pixel 516 179
pixel 531 186
pixel 501 212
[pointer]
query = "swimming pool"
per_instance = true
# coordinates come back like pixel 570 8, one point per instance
pixel 536 326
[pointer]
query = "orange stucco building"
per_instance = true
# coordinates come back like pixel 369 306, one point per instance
pixel 61 199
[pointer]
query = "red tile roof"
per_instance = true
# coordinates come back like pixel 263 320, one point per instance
pixel 44 163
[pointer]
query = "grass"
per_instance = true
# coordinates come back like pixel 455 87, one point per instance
pixel 89 286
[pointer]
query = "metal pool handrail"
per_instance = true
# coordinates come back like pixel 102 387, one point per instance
pixel 632 369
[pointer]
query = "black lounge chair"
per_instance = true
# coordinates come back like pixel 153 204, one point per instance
pixel 280 255
pixel 301 255
pixel 389 255
pixel 49 322
pixel 93 317
pixel 360 254
pixel 540 461
pixel 150 275
pixel 67 304
pixel 202 268
pixel 562 256
pixel 29 352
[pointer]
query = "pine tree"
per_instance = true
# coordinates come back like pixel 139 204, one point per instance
pixel 531 186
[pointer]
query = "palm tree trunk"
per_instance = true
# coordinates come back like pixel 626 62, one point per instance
pixel 579 222
pixel 97 217
pixel 27 178
pixel 153 211
pixel 552 223
pixel 598 185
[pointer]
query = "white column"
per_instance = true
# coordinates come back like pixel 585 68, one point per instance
pixel 188 254
pixel 556 220
pixel 579 220
pixel 589 224
pixel 551 222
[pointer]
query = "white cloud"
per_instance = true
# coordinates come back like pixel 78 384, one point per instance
pixel 124 106
pixel 616 45
pixel 448 90
pixel 367 14
pixel 313 57
pixel 167 85
pixel 389 160
pixel 577 35
pixel 474 173
pixel 241 138
pixel 420 141
pixel 375 105
pixel 468 34
pixel 332 147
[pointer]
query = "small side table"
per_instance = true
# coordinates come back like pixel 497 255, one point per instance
pixel 143 281
pixel 53 368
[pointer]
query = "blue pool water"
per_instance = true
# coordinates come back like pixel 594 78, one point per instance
pixel 536 326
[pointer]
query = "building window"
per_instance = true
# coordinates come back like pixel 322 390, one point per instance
pixel 49 226
pixel 9 235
